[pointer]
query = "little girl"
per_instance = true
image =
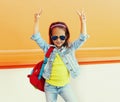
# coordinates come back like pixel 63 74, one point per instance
pixel 62 62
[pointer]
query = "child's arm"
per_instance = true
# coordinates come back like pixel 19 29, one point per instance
pixel 83 31
pixel 36 22
pixel 82 22
pixel 36 34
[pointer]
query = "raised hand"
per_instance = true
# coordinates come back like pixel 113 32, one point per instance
pixel 81 15
pixel 37 15
pixel 36 22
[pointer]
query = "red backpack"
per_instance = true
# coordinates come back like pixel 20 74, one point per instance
pixel 35 77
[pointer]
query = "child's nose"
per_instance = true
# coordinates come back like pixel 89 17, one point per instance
pixel 58 39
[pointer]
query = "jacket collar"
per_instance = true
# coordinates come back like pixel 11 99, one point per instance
pixel 60 49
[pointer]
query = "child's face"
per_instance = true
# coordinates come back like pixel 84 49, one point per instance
pixel 58 36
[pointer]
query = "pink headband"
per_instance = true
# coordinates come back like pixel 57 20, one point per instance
pixel 58 25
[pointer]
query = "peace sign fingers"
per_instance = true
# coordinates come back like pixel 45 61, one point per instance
pixel 81 15
pixel 37 15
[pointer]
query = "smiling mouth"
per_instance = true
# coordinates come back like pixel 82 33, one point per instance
pixel 58 43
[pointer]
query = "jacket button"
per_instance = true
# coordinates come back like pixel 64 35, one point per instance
pixel 71 69
pixel 66 62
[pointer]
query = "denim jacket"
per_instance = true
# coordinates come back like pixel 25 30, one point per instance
pixel 67 54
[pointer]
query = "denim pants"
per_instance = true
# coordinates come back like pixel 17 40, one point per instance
pixel 65 92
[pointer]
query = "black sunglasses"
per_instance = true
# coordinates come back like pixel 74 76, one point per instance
pixel 62 37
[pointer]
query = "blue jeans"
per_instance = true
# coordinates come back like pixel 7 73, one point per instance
pixel 65 92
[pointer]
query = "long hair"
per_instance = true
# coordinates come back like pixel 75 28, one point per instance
pixel 64 27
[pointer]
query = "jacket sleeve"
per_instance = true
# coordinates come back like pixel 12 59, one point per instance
pixel 79 42
pixel 39 40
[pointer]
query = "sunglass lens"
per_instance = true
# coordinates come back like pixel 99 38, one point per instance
pixel 54 37
pixel 62 37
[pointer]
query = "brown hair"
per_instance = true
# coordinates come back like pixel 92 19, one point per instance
pixel 60 25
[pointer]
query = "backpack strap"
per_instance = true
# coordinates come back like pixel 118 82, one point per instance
pixel 49 51
pixel 47 55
